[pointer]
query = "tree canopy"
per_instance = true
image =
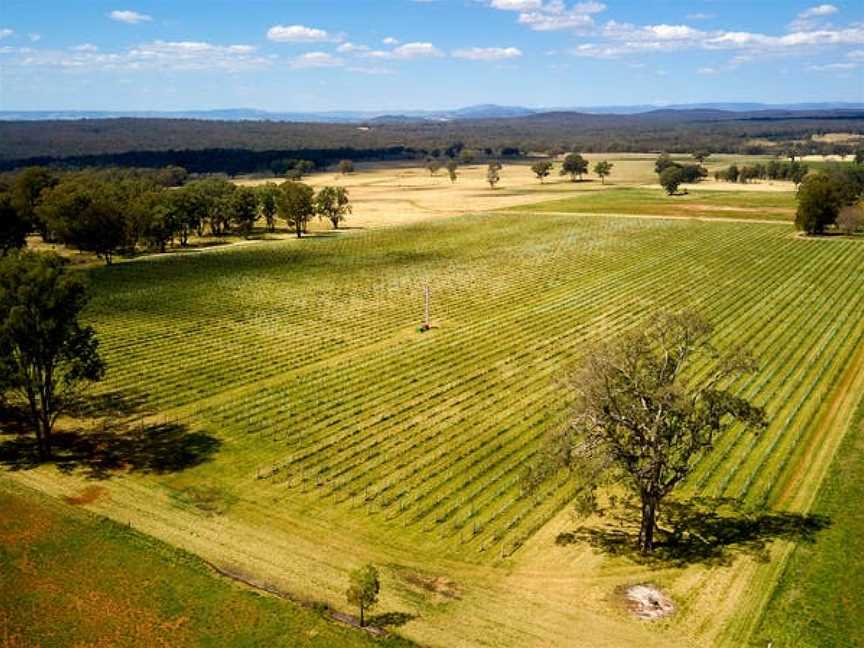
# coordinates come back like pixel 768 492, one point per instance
pixel 603 169
pixel 575 166
pixel 295 202
pixel 363 590
pixel 333 204
pixel 643 416
pixel 541 169
pixel 46 355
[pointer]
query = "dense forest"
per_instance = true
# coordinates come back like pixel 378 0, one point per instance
pixel 240 147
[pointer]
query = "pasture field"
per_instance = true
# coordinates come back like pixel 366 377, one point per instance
pixel 387 195
pixel 71 578
pixel 698 202
pixel 273 409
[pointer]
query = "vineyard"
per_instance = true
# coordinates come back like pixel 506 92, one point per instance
pixel 306 361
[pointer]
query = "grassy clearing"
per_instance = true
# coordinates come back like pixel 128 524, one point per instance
pixel 701 202
pixel 72 579
pixel 818 600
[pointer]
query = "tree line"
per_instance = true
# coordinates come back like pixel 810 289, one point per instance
pixel 244 147
pixel 793 171
pixel 672 174
pixel 113 211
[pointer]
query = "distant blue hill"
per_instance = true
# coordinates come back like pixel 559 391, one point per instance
pixel 486 111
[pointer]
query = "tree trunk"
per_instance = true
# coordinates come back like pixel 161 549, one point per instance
pixel 648 524
pixel 362 618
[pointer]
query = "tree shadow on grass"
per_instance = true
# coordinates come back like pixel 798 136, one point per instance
pixel 118 443
pixel 703 530
pixel 391 619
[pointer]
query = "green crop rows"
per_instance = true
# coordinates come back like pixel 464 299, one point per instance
pixel 304 358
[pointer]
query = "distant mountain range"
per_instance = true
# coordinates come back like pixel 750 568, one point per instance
pixel 486 111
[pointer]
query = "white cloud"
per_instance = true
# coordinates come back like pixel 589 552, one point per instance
pixel 390 41
pixel 819 10
pixel 555 16
pixel 408 51
pixel 834 67
pixel 316 60
pixel 34 38
pixel 812 18
pixel 350 48
pixel 375 71
pixel 129 17
pixel 700 16
pixel 160 55
pixel 855 55
pixel 625 38
pixel 487 53
pixel 516 5
pixel 5 32
pixel 707 70
pixel 298 34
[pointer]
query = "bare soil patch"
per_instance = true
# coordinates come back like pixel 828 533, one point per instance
pixel 646 601
pixel 87 495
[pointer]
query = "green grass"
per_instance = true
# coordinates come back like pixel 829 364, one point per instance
pixel 326 430
pixel 819 599
pixel 771 205
pixel 70 578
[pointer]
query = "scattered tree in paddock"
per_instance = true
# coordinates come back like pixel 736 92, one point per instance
pixel 466 157
pixel 267 203
pixel 244 209
pixel 701 156
pixel 363 590
pixel 346 166
pixel 820 198
pixel 541 169
pixel 575 166
pixel 859 156
pixel 640 416
pixel 452 167
pixel 433 166
pixel 301 168
pixel 332 203
pixel 295 203
pixel 46 355
pixel 672 178
pixel 603 169
pixel 663 162
pixel 493 175
pixel 14 226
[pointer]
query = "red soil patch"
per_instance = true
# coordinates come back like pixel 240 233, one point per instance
pixel 86 496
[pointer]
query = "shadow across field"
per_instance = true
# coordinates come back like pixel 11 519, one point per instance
pixel 121 440
pixel 702 530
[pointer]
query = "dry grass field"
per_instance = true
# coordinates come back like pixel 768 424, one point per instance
pixel 279 415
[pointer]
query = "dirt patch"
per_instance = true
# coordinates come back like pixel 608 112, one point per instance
pixel 438 585
pixel 646 601
pixel 88 495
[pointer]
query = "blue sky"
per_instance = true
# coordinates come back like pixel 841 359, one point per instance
pixel 287 55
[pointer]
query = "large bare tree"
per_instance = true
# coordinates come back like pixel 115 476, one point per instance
pixel 646 409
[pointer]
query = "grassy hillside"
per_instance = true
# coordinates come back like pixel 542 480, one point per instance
pixel 72 579
pixel 273 407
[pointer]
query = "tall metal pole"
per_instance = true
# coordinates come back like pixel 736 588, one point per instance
pixel 426 324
